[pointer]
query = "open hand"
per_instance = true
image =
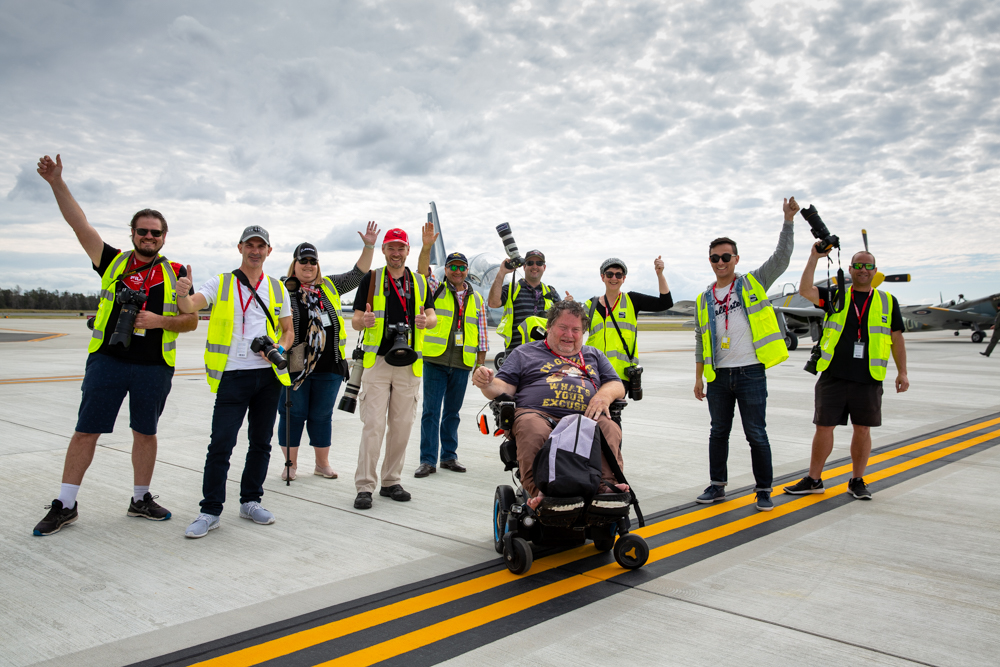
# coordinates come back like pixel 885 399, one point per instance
pixel 428 235
pixel 371 234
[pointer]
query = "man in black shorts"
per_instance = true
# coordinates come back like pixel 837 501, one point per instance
pixel 854 362
pixel 138 362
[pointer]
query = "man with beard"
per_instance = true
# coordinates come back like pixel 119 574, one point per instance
pixel 142 366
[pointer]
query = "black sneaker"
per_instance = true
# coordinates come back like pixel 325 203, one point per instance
pixel 56 518
pixel 857 488
pixel 395 492
pixel 147 508
pixel 363 501
pixel 806 485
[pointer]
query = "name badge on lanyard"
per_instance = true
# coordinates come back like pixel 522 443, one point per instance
pixel 324 317
pixel 459 339
pixel 242 349
pixel 859 350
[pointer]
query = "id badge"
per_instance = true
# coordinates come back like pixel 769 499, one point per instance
pixel 138 332
pixel 725 343
pixel 324 317
pixel 242 349
pixel 459 338
pixel 859 350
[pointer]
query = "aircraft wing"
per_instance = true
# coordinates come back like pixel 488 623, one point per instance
pixel 801 313
pixel 937 316
pixel 685 307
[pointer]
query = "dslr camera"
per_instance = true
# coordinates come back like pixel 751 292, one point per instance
pixel 266 345
pixel 634 374
pixel 400 354
pixel 827 241
pixel 514 260
pixel 349 401
pixel 131 302
pixel 814 358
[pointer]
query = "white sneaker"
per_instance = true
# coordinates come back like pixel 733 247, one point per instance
pixel 201 525
pixel 253 511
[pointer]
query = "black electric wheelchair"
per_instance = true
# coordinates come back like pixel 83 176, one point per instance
pixel 561 522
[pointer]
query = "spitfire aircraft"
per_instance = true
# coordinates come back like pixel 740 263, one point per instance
pixel 976 316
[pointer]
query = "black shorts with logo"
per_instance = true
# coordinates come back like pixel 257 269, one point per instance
pixel 837 398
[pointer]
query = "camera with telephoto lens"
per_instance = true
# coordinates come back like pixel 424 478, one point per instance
pixel 814 358
pixel 349 401
pixel 634 374
pixel 400 354
pixel 515 260
pixel 131 302
pixel 827 241
pixel 266 345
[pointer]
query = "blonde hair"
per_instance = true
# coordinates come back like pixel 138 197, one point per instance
pixel 319 271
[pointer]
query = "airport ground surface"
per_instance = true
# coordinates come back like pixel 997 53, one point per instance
pixel 912 577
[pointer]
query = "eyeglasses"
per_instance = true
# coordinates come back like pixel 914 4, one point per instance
pixel 614 274
pixel 725 257
pixel 156 233
pixel 308 260
pixel 458 267
pixel 533 262
pixel 857 266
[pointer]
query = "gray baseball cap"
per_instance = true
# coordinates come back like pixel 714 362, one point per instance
pixel 255 231
pixel 613 261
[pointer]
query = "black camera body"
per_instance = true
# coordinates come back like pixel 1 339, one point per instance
pixel 814 358
pixel 514 260
pixel 266 345
pixel 131 302
pixel 634 374
pixel 349 401
pixel 400 354
pixel 827 241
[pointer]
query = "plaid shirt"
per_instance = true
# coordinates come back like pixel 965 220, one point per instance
pixel 484 344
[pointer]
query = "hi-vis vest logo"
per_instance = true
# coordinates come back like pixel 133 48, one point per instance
pixel 753 298
pixel 885 319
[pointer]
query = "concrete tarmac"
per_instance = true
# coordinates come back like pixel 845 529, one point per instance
pixel 912 577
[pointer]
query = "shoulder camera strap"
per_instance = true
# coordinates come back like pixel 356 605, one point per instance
pixel 242 277
pixel 631 354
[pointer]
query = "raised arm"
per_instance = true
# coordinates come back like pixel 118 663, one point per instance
pixel 776 264
pixel 496 288
pixel 658 266
pixel 369 237
pixel 185 302
pixel 428 236
pixel 806 287
pixel 88 237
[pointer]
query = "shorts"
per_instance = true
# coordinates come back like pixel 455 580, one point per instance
pixel 837 398
pixel 105 383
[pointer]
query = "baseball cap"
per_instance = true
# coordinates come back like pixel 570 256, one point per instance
pixel 255 231
pixel 397 235
pixel 305 250
pixel 456 257
pixel 534 253
pixel 613 261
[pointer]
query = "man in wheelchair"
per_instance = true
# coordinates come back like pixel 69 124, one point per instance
pixel 555 378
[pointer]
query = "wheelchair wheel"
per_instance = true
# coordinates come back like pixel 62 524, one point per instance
pixel 518 558
pixel 631 551
pixel 502 500
pixel 604 537
pixel 498 360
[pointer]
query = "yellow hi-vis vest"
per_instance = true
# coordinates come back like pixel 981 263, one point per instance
pixel 108 301
pixel 373 336
pixel 506 327
pixel 436 340
pixel 879 333
pixel 768 342
pixel 530 323
pixel 220 328
pixel 605 338
pixel 330 290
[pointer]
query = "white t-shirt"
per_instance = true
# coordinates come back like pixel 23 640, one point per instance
pixel 245 329
pixel 740 351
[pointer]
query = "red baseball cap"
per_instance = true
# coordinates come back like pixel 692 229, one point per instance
pixel 396 235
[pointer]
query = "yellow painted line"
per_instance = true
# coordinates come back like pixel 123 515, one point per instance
pixel 479 617
pixel 292 643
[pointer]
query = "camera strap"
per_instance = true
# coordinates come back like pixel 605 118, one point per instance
pixel 139 269
pixel 242 277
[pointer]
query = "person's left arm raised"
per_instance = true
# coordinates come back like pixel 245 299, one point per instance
pixel 186 303
pixel 777 263
pixel 369 238
pixel 428 236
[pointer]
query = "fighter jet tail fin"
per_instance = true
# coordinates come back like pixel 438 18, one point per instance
pixel 438 253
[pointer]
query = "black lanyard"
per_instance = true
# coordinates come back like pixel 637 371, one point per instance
pixel 402 301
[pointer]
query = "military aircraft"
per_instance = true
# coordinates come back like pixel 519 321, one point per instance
pixel 977 315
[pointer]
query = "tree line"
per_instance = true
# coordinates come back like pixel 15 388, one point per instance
pixel 42 299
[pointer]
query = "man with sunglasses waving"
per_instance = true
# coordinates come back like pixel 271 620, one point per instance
pixel 736 339
pixel 138 362
pixel 854 361
pixel 452 349
pixel 523 303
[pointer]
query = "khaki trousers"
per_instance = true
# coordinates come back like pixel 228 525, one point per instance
pixel 386 391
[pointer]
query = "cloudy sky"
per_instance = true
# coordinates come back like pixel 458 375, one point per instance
pixel 632 129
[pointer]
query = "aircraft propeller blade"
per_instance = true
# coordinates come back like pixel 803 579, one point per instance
pixel 898 278
pixel 864 235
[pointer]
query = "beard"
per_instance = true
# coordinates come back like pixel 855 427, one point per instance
pixel 147 253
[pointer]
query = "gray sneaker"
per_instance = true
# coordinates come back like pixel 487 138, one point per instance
pixel 201 525
pixel 764 502
pixel 713 493
pixel 253 511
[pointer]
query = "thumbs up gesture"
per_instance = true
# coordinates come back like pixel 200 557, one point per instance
pixel 420 321
pixel 369 317
pixel 184 284
pixel 569 297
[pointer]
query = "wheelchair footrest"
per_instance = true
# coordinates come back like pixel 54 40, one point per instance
pixel 609 506
pixel 562 512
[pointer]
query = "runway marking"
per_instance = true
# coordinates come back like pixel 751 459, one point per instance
pixel 71 378
pixel 455 625
pixel 37 337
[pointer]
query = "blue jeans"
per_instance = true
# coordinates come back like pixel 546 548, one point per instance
pixel 312 406
pixel 746 385
pixel 446 385
pixel 256 391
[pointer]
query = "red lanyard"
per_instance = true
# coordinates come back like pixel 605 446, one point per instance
pixel 581 366
pixel 145 289
pixel 726 302
pixel 239 288
pixel 402 301
pixel 460 300
pixel 861 314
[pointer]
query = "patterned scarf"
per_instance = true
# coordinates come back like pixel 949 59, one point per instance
pixel 313 335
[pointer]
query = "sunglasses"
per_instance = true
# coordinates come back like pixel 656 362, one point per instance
pixel 155 233
pixel 857 266
pixel 308 260
pixel 532 262
pixel 725 257
pixel 458 267
pixel 614 274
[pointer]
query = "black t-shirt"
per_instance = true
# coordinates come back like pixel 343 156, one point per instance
pixel 147 349
pixel 394 313
pixel 641 302
pixel 844 365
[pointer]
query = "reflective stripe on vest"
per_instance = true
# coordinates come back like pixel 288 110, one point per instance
pixel 605 338
pixel 373 336
pixel 879 323
pixel 107 301
pixel 220 329
pixel 334 296
pixel 768 343
pixel 436 340
pixel 506 326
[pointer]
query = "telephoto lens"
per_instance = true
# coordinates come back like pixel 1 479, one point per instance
pixel 634 374
pixel 131 302
pixel 814 358
pixel 266 345
pixel 349 401
pixel 819 229
pixel 515 261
